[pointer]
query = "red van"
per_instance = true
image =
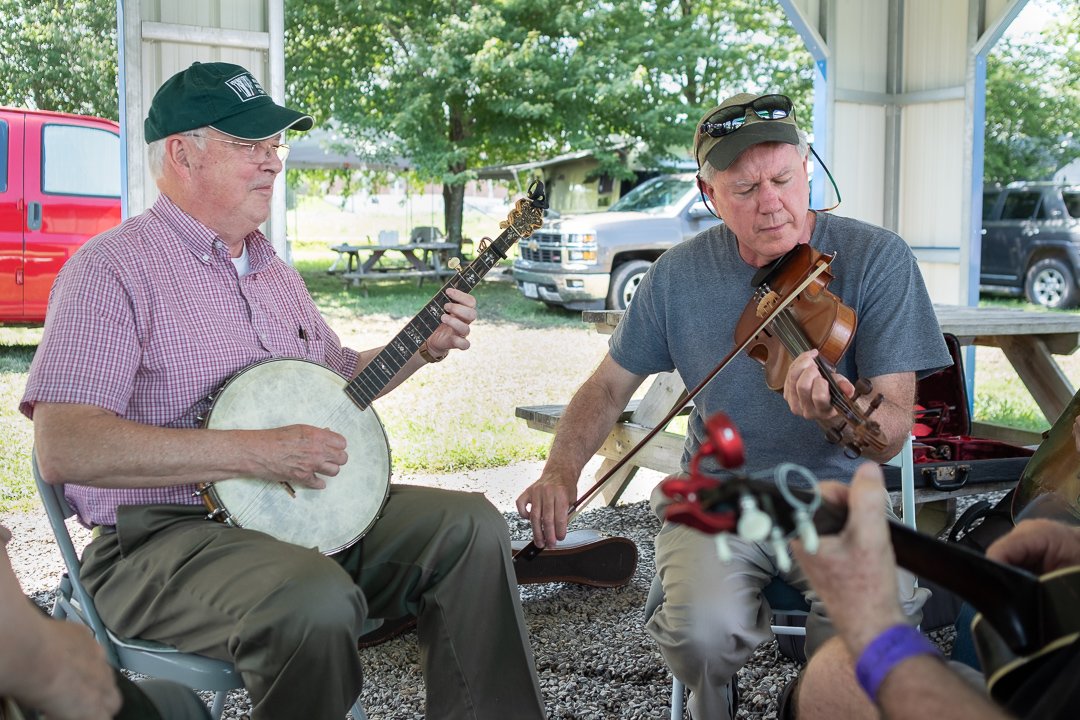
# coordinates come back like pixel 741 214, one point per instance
pixel 59 186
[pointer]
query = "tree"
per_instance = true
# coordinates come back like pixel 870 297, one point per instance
pixel 1033 102
pixel 454 86
pixel 59 55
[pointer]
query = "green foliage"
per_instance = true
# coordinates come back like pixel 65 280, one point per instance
pixel 456 86
pixel 59 55
pixel 1033 101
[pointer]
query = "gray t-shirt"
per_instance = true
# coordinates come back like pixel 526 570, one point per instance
pixel 685 312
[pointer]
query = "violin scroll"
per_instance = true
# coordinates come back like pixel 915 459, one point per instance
pixel 867 432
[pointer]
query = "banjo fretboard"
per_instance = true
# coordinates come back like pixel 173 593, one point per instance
pixel 527 216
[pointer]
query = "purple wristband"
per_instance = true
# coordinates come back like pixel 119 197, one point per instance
pixel 892 647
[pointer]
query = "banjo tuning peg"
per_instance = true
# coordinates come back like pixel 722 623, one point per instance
pixel 804 526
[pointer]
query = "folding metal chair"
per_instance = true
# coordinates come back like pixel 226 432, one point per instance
pixel 425 233
pixel 146 657
pixel 782 598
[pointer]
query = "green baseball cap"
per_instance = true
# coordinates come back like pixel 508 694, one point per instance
pixel 223 96
pixel 740 122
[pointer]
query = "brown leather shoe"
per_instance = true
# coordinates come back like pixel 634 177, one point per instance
pixel 389 629
pixel 584 557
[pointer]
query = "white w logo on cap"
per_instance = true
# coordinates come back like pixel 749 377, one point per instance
pixel 246 87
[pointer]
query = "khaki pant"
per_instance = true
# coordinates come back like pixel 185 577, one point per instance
pixel 289 617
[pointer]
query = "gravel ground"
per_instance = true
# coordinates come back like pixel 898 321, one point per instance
pixel 594 659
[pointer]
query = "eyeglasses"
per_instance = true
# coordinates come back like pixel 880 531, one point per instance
pixel 257 153
pixel 729 119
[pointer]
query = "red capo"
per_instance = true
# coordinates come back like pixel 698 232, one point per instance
pixel 725 445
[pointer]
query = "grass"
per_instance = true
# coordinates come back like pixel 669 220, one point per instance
pixel 1000 397
pixel 16 351
pixel 321 220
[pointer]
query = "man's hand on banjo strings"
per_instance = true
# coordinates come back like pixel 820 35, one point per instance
pixel 299 454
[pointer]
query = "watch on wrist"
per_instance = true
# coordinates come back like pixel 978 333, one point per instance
pixel 428 357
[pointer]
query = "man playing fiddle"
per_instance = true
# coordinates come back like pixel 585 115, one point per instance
pixel 752 161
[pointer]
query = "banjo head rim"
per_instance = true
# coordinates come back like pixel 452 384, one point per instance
pixel 376 488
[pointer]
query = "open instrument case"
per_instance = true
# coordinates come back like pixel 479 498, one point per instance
pixel 947 458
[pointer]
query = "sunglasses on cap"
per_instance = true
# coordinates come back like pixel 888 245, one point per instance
pixel 729 119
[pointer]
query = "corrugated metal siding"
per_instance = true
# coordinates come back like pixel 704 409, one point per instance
pixel 932 188
pixel 232 14
pixel 935 44
pixel 921 176
pixel 163 59
pixel 860 41
pixel 859 142
pixel 942 282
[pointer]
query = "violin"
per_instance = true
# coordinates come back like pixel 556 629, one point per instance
pixel 812 318
pixel 791 312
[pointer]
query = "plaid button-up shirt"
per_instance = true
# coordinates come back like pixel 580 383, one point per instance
pixel 150 318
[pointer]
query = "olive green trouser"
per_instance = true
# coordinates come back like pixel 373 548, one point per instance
pixel 288 617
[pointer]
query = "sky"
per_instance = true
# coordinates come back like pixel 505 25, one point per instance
pixel 1031 20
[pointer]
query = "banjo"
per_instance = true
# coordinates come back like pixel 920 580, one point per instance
pixel 279 392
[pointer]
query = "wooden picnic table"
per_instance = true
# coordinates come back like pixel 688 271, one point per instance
pixel 418 260
pixel 1028 339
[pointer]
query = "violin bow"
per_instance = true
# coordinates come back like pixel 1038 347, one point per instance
pixel 531 550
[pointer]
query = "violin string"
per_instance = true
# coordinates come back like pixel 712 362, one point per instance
pixel 790 333
pixel 796 342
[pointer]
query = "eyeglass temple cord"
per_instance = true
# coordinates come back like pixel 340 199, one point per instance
pixel 831 179
pixel 705 199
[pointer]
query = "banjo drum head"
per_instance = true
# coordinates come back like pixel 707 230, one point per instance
pixel 278 393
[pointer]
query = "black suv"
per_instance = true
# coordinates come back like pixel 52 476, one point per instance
pixel 1031 242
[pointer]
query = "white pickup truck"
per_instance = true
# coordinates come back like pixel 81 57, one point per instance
pixel 596 260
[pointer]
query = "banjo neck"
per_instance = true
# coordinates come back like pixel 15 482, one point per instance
pixel 527 216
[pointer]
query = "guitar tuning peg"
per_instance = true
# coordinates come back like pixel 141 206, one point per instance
pixel 754 525
pixel 804 526
pixel 454 264
pixel 723 548
pixel 779 545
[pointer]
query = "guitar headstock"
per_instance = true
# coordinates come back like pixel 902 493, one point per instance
pixel 1023 612
pixel 769 508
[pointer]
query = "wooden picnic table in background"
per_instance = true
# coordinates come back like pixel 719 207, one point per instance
pixel 368 261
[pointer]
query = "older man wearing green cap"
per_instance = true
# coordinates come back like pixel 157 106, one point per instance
pixel 752 161
pixel 144 324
